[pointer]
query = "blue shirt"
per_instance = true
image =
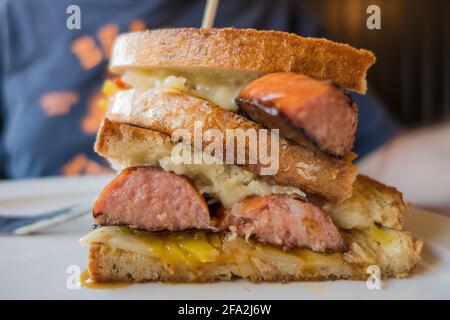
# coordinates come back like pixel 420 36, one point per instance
pixel 50 76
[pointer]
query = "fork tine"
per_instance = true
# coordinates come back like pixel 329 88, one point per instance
pixel 21 225
pixel 9 224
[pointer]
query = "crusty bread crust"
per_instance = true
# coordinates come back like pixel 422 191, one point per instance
pixel 118 139
pixel 233 51
pixel 371 202
pixel 396 257
pixel 168 112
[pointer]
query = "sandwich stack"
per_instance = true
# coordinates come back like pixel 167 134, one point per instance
pixel 221 210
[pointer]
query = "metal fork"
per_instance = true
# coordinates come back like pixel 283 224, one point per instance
pixel 28 224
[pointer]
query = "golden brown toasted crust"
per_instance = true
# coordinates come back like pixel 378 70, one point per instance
pixel 168 112
pixel 230 50
pixel 371 202
pixel 396 257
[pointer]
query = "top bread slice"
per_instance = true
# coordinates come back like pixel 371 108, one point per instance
pixel 236 53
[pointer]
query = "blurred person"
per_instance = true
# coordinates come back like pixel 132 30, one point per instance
pixel 51 81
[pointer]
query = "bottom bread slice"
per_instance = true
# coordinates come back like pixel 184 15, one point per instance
pixel 118 254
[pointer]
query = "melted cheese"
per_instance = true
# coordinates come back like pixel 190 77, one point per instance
pixel 187 247
pixel 194 247
pixel 219 90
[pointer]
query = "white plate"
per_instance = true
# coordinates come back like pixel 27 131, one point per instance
pixel 35 267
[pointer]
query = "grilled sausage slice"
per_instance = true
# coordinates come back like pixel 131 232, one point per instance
pixel 304 109
pixel 151 199
pixel 283 221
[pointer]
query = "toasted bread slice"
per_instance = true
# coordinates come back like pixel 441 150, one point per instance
pixel 125 145
pixel 124 258
pixel 298 166
pixel 236 53
pixel 371 202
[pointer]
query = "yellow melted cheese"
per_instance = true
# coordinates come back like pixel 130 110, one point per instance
pixel 379 235
pixel 186 247
pixel 192 248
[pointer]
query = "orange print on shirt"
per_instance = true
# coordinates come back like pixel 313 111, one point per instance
pixel 94 168
pixel 106 35
pixel 137 25
pixel 81 164
pixel 98 104
pixel 58 103
pixel 96 108
pixel 87 52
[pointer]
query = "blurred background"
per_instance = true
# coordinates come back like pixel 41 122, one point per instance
pixel 412 79
pixel 412 72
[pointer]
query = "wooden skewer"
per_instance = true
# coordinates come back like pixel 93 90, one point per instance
pixel 210 13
